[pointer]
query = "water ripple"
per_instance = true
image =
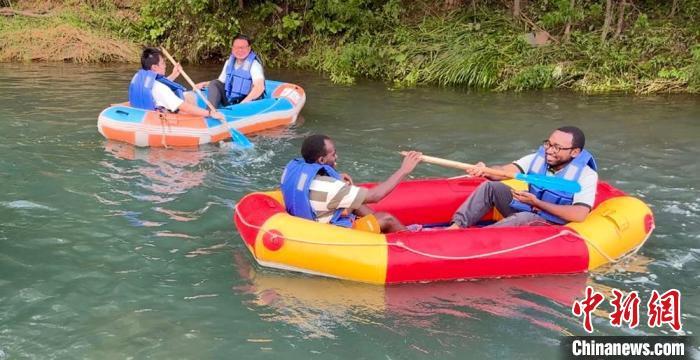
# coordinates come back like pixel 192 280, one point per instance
pixel 113 251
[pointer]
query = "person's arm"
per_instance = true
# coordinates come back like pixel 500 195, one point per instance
pixel 165 97
pixel 222 78
pixel 202 85
pixel 577 212
pixel 380 191
pixel 188 108
pixel 518 166
pixel 478 170
pixel 258 86
pixel 177 69
pixel 583 200
pixel 256 90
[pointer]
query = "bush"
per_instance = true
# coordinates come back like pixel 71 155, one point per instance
pixel 194 29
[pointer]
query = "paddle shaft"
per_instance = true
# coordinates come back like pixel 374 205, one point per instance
pixel 184 74
pixel 462 166
pixel 547 182
pixel 236 135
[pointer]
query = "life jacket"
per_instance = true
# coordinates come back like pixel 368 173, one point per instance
pixel 239 81
pixel 572 171
pixel 295 183
pixel 141 87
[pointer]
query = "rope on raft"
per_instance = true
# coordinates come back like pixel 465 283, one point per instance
pixel 402 245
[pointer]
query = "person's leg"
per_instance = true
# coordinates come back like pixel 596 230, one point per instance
pixel 363 210
pixel 389 223
pixel 520 219
pixel 217 93
pixel 488 195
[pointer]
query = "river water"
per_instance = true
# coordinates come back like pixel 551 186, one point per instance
pixel 109 251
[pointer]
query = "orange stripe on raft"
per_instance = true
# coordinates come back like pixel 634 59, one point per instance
pixel 177 120
pixel 120 135
pixel 265 125
pixel 220 136
pixel 170 140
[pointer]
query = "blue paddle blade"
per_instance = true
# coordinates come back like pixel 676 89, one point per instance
pixel 550 182
pixel 239 139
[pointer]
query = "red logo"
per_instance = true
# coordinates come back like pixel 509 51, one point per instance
pixel 626 309
pixel 662 308
pixel 585 306
pixel 665 309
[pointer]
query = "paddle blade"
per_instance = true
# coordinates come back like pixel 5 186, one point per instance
pixel 550 182
pixel 239 139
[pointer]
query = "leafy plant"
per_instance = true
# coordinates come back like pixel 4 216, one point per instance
pixel 195 29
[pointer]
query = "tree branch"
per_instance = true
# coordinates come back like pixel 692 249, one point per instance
pixel 608 20
pixel 620 18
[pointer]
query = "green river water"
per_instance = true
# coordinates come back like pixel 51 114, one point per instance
pixel 113 252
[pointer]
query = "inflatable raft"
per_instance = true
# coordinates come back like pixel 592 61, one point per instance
pixel 618 225
pixel 280 107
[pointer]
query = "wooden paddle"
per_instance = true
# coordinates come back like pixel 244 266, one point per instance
pixel 236 136
pixel 547 182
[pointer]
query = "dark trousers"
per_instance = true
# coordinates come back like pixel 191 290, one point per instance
pixel 217 95
pixel 488 195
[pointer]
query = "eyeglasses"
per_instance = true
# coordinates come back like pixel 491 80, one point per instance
pixel 547 144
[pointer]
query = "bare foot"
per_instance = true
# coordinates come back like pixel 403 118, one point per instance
pixel 453 227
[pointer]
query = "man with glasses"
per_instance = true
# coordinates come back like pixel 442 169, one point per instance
pixel 242 78
pixel 561 155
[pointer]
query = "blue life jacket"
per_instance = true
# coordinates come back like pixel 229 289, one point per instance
pixel 295 183
pixel 140 89
pixel 572 171
pixel 239 81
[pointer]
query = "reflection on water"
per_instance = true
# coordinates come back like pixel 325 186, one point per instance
pixel 320 307
pixel 111 251
pixel 169 171
pixel 325 308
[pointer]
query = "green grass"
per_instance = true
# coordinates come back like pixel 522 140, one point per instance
pixel 405 46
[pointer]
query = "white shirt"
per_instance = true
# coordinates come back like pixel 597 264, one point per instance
pixel 588 181
pixel 256 71
pixel 164 97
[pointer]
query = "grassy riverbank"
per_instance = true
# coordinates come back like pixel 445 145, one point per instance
pixel 68 31
pixel 631 46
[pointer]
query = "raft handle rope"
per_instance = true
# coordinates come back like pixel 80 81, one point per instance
pixel 400 244
pixel 163 123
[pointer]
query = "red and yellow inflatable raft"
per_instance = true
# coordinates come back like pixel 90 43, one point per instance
pixel 618 225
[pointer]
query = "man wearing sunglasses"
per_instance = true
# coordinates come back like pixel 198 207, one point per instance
pixel 561 155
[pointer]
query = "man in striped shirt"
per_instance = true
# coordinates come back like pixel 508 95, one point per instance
pixel 313 189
